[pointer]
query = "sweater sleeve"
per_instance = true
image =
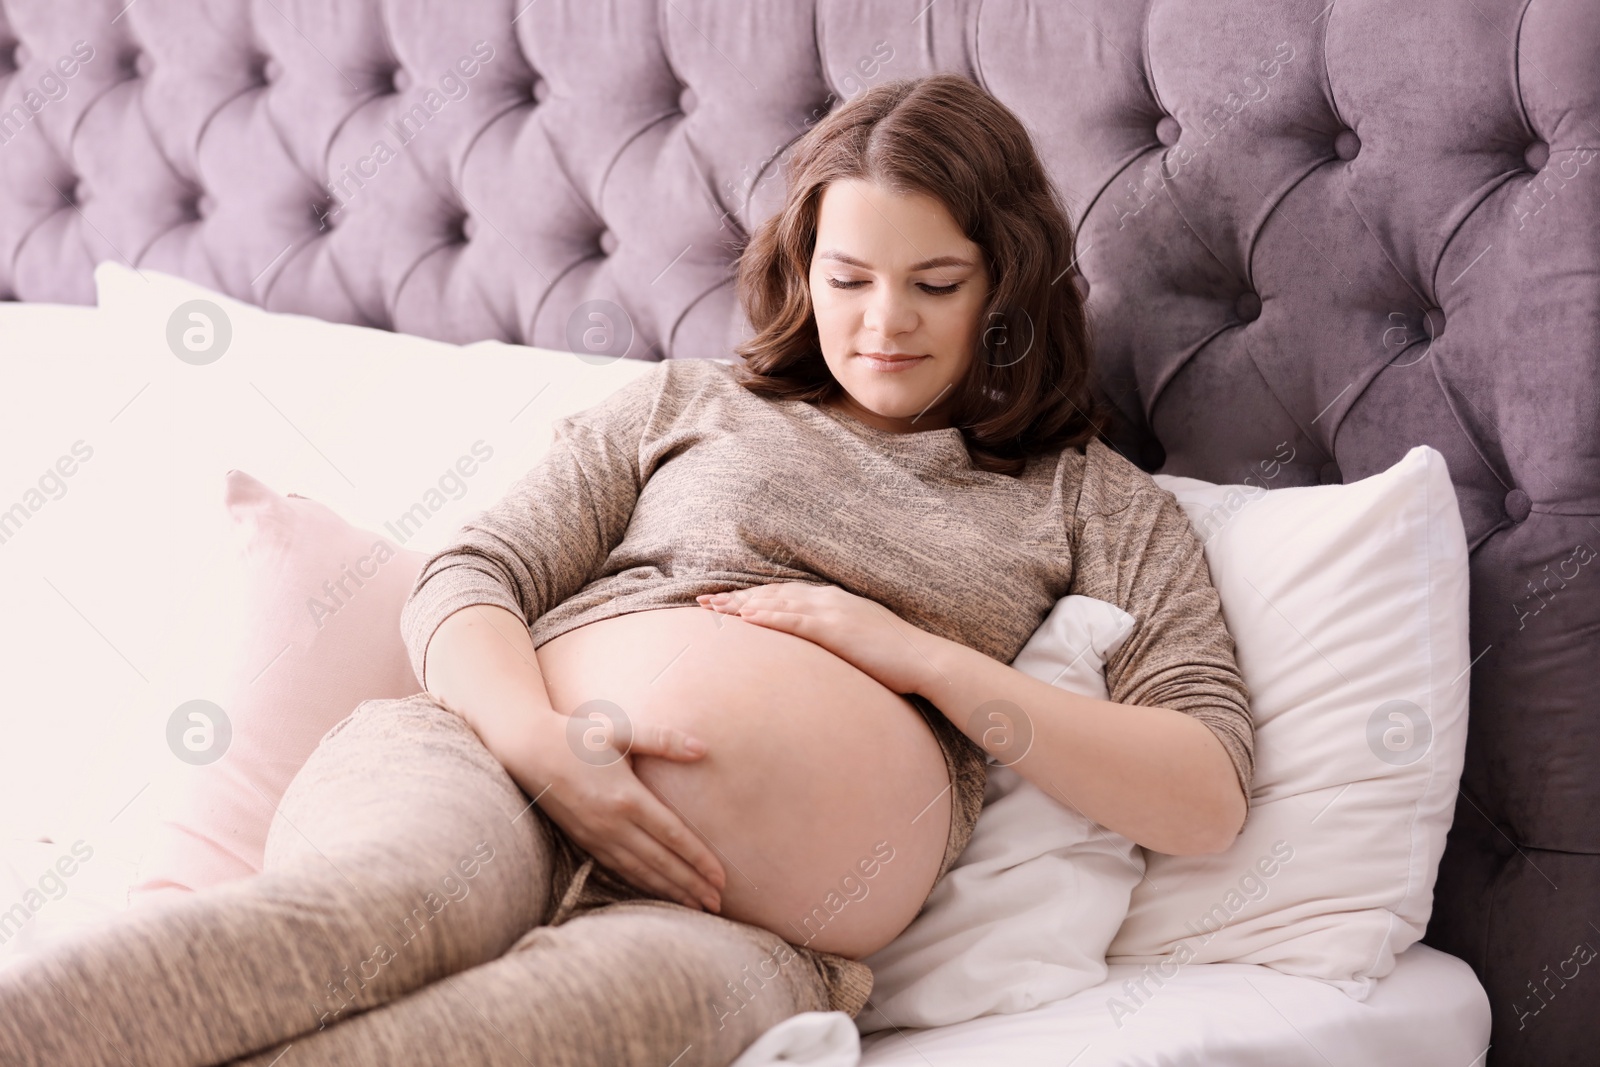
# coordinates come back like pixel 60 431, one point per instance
pixel 552 530
pixel 1135 547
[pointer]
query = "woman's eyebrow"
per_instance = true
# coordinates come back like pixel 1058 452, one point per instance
pixel 927 264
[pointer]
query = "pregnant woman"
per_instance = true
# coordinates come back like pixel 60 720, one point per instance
pixel 707 695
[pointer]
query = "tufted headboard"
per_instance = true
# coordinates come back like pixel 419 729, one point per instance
pixel 1312 235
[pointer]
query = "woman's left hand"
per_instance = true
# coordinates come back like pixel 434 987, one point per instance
pixel 860 631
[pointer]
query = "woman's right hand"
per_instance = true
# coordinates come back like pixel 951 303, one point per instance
pixel 583 778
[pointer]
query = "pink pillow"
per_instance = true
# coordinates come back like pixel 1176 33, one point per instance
pixel 317 631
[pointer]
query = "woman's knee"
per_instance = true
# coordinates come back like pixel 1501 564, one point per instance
pixel 383 743
pixel 720 977
pixel 404 792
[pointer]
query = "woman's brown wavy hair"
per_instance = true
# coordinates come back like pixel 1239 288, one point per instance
pixel 1027 388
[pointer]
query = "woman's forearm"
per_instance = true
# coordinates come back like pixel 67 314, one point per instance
pixel 481 665
pixel 1157 776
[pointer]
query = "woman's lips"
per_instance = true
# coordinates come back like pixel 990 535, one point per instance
pixel 878 361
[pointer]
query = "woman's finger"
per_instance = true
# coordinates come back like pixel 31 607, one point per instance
pixel 638 872
pixel 664 862
pixel 667 828
pixel 656 739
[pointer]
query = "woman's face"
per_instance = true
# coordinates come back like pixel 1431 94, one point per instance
pixel 894 275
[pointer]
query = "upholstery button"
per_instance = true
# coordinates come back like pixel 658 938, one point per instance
pixel 1247 307
pixel 8 58
pixel 323 211
pixel 271 71
pixel 687 101
pixel 1536 155
pixel 1080 283
pixel 399 80
pixel 205 206
pixel 468 227
pixel 1433 323
pixel 1168 131
pixel 71 190
pixel 1518 505
pixel 608 242
pixel 541 90
pixel 1329 474
pixel 1347 145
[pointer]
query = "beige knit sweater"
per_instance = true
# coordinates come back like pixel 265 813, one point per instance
pixel 683 482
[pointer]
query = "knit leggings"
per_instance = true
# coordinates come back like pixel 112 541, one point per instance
pixel 414 908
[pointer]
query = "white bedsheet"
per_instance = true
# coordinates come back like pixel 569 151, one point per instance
pixel 1429 1012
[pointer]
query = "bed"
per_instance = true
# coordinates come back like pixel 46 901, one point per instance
pixel 1388 240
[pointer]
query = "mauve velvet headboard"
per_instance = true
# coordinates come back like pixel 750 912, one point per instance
pixel 1331 229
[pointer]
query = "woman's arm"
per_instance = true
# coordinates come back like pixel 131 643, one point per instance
pixel 481 665
pixel 466 630
pixel 1157 776
pixel 1167 761
pixel 1160 777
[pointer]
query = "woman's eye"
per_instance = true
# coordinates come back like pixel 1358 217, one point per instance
pixel 932 290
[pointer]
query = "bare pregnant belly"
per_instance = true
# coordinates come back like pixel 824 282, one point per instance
pixel 824 795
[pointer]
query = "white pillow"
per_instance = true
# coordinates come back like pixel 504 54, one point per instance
pixel 370 423
pixel 1348 607
pixel 1024 915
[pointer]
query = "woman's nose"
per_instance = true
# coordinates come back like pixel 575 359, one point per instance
pixel 889 313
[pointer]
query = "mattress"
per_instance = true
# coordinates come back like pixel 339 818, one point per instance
pixel 101 609
pixel 1430 1011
